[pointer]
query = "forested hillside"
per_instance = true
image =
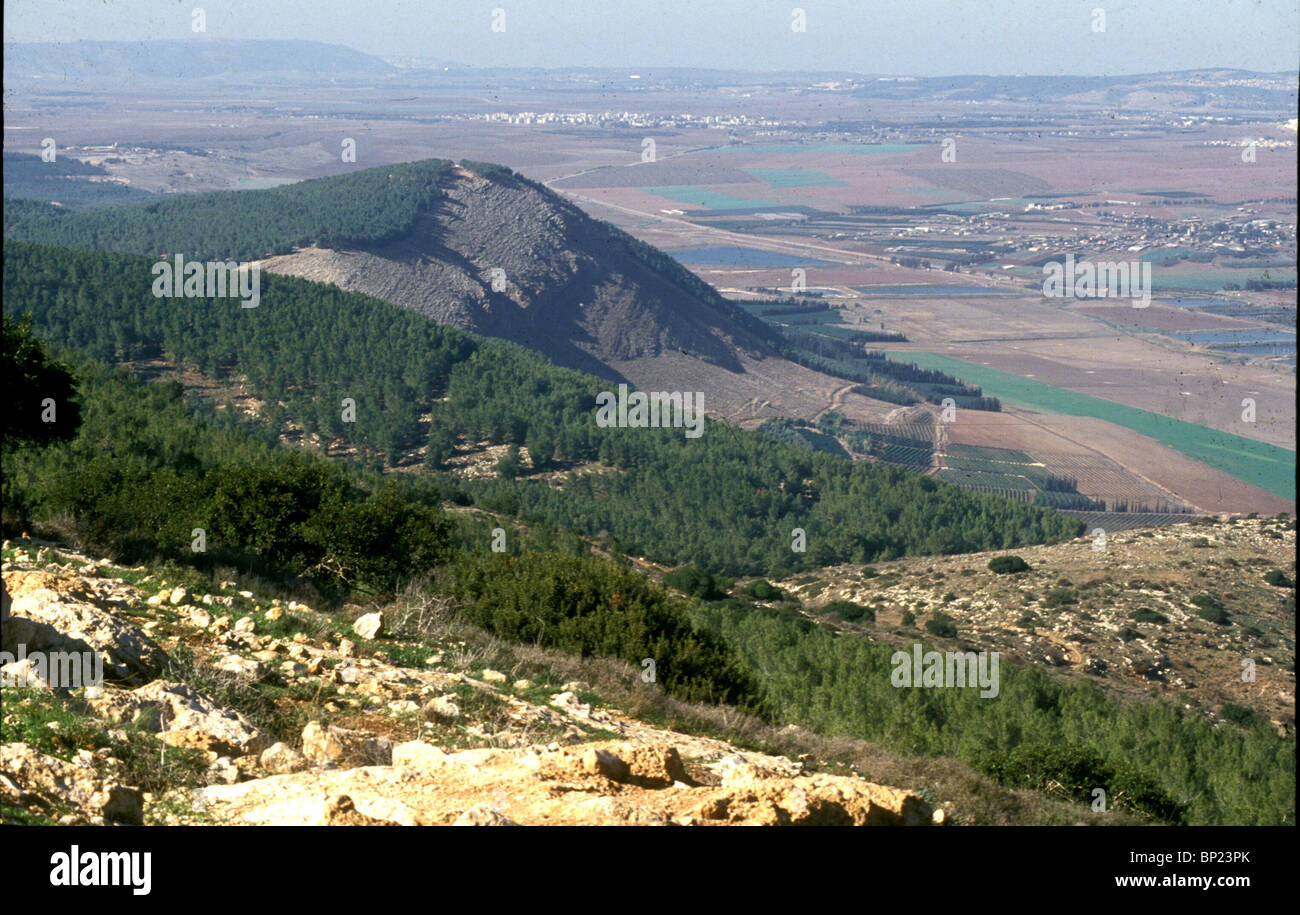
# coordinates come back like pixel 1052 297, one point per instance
pixel 73 183
pixel 146 470
pixel 364 207
pixel 581 291
pixel 730 499
pixel 1067 737
pixel 147 473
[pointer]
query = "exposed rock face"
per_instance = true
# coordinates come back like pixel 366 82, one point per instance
pixel 353 776
pixel 183 718
pixel 564 286
pixel 483 815
pixel 419 755
pixel 45 619
pixel 280 758
pixel 331 747
pixel 611 783
pixel 27 775
pixel 368 626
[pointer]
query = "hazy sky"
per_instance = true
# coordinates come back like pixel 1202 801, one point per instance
pixel 921 37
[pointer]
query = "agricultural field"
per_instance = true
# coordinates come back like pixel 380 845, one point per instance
pixel 946 251
pixel 1267 466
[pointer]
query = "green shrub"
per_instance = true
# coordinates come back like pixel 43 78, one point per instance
pixel 1240 714
pixel 593 607
pixel 694 581
pixel 1060 597
pixel 848 610
pixel 1147 615
pixel 1278 579
pixel 941 625
pixel 1008 565
pixel 1077 771
pixel 909 618
pixel 1216 615
pixel 761 589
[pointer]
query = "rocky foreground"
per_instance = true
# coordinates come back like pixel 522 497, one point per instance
pixel 358 725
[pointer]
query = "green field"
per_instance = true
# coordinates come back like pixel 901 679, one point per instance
pixel 796 177
pixel 1267 466
pixel 702 196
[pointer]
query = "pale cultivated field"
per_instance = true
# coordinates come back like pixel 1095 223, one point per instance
pixel 1067 348
pixel 1117 461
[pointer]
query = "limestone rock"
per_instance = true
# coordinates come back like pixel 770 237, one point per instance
pixel 340 810
pixel 47 620
pixel 330 746
pixel 280 758
pixel 28 776
pixel 417 754
pixel 442 709
pixel 185 718
pixel 603 762
pixel 23 674
pixel 369 626
pixel 483 815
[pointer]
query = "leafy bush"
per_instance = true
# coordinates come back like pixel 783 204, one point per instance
pixel 1207 602
pixel 1060 597
pixel 31 378
pixel 695 581
pixel 941 625
pixel 1008 565
pixel 1277 578
pixel 1147 615
pixel 1242 715
pixel 1077 771
pixel 761 589
pixel 594 607
pixel 848 610
pixel 1210 609
pixel 1216 615
pixel 909 618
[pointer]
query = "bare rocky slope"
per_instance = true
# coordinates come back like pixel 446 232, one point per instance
pixel 504 257
pixel 1171 611
pixel 344 726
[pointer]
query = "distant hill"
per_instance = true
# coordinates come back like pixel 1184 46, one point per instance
pixel 430 236
pixel 67 181
pixel 483 249
pixel 197 58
